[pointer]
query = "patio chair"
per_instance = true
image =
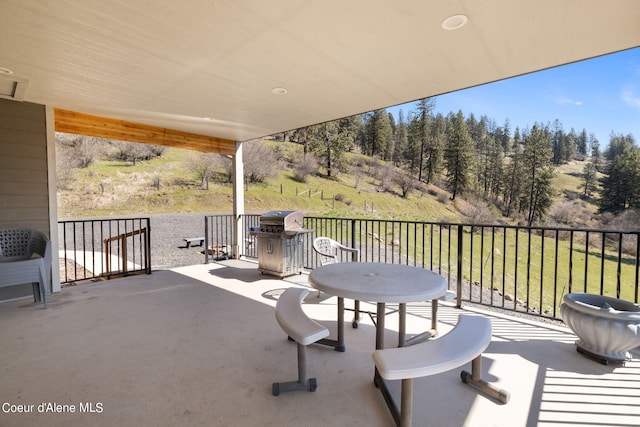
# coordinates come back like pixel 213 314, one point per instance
pixel 25 257
pixel 330 252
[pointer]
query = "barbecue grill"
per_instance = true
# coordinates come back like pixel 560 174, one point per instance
pixel 281 243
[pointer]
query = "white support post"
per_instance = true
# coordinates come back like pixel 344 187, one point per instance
pixel 238 201
pixel 53 199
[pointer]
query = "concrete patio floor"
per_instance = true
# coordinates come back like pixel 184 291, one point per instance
pixel 199 345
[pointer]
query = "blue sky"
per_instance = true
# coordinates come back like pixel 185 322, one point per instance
pixel 600 95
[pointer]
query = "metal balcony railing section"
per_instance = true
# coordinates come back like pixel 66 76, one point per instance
pixel 219 236
pixel 104 248
pixel 526 269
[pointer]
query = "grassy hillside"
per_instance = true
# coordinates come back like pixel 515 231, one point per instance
pixel 169 184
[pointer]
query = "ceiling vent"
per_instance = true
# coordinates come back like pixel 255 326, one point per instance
pixel 12 87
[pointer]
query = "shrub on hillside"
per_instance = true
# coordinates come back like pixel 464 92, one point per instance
pixel 204 166
pixel 73 152
pixel 259 162
pixel 572 214
pixel 405 181
pixel 134 151
pixel 304 167
pixel 627 220
pixel 479 212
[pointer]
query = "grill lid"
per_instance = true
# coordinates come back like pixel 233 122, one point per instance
pixel 288 220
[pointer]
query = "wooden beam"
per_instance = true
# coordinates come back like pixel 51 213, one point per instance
pixel 102 127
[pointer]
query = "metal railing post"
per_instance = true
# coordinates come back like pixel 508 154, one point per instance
pixel 459 266
pixel 353 238
pixel 206 239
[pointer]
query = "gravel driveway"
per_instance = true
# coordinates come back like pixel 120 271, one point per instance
pixel 167 244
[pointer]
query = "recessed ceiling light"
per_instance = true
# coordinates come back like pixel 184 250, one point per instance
pixel 454 22
pixel 6 71
pixel 279 90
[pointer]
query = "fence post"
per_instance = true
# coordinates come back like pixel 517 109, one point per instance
pixel 459 266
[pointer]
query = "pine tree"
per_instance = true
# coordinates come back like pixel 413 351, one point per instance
pixel 423 121
pixel 495 168
pixel 537 158
pixel 331 140
pixel 435 149
pixel 378 134
pixel 482 134
pixel 621 183
pixel 589 178
pixel 512 181
pixel 401 139
pixel 618 144
pixel 582 143
pixel 459 156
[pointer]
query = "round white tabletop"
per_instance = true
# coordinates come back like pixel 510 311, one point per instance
pixel 388 283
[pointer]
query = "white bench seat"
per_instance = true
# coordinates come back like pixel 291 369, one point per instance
pixel 293 320
pixel 464 343
pixel 469 338
pixel 303 330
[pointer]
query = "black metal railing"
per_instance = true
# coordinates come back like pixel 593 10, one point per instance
pixel 104 248
pixel 516 268
pixel 218 231
pixel 526 269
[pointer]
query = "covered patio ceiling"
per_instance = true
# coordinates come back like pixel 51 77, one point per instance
pixel 241 69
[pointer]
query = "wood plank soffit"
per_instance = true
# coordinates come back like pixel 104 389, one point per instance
pixel 102 127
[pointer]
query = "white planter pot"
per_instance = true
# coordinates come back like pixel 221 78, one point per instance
pixel 607 327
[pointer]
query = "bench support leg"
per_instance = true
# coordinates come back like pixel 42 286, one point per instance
pixel 338 344
pixel 406 402
pixel 474 379
pixel 303 383
pixel 401 415
pixel 381 384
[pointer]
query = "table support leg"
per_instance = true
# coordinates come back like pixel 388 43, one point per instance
pixel 380 326
pixel 402 324
pixel 379 337
pixel 434 317
pixel 340 324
